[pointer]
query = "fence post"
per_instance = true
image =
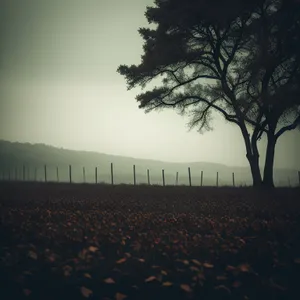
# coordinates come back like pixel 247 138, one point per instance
pixel 112 173
pixel 163 176
pixel 176 183
pixel 217 179
pixel 233 182
pixel 134 181
pixel 70 173
pixel 83 170
pixel 190 180
pixel 201 178
pixel 45 167
pixel 148 175
pixel 57 176
pixel 96 175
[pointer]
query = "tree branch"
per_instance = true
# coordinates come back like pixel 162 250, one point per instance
pixel 228 117
pixel 289 127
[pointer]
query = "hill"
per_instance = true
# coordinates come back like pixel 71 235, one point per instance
pixel 14 155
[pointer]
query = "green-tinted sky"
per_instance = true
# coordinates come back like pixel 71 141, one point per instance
pixel 59 86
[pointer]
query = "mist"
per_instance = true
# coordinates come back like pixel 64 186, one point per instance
pixel 59 86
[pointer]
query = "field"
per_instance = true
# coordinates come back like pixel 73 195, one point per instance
pixel 62 241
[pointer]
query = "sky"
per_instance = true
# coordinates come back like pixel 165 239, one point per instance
pixel 59 86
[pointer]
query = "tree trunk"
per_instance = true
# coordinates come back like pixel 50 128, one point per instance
pixel 269 163
pixel 252 156
pixel 255 171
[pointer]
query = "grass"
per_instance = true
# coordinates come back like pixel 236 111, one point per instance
pixel 79 241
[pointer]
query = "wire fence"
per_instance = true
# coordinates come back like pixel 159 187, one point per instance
pixel 67 175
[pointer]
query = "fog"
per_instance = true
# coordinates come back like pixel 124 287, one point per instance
pixel 59 86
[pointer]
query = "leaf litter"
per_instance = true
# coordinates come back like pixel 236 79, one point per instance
pixel 118 244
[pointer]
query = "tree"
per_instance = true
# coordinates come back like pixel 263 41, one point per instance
pixel 234 57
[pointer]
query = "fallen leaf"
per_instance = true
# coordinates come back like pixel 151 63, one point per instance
pixel 120 296
pixel 155 267
pixel 244 267
pixel 51 258
pixel 109 280
pixel 167 283
pixel 242 241
pixel 196 262
pixel 186 288
pixel 93 248
pixel 224 288
pixel 207 265
pixel 186 262
pixel 164 272
pixel 141 260
pixel 151 278
pixel 85 292
pixel 120 261
pixel 230 268
pixel 87 275
pixel 32 254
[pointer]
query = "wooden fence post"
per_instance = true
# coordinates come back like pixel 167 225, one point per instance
pixel 57 176
pixel 96 175
pixel 45 169
pixel 190 179
pixel 134 179
pixel 112 173
pixel 70 173
pixel 148 175
pixel 233 182
pixel 201 178
pixel 83 171
pixel 217 179
pixel 163 176
pixel 176 182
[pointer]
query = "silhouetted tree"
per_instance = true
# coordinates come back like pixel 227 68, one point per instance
pixel 239 58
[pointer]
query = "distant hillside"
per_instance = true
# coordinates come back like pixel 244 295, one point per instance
pixel 13 156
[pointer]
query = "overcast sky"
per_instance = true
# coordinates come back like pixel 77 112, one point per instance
pixel 59 86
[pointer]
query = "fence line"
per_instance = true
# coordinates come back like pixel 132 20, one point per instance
pixel 8 175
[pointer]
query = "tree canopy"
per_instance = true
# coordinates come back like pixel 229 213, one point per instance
pixel 239 58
